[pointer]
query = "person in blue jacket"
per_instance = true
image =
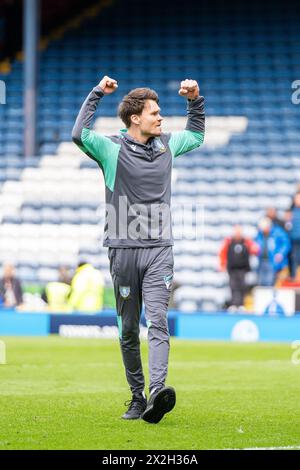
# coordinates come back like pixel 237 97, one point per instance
pixel 295 235
pixel 274 247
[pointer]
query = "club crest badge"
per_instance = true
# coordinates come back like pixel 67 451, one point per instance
pixel 168 280
pixel 160 146
pixel 124 291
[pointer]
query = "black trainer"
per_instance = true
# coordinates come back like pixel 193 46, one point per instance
pixel 161 402
pixel 136 407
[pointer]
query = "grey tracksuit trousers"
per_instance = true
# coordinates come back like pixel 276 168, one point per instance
pixel 143 274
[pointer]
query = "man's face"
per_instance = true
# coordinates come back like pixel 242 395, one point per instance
pixel 237 233
pixel 8 271
pixel 297 200
pixel 150 119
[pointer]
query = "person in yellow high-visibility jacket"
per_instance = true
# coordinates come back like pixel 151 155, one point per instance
pixel 87 289
pixel 57 297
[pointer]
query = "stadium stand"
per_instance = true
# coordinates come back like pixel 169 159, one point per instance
pixel 245 58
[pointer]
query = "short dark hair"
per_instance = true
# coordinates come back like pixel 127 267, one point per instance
pixel 134 103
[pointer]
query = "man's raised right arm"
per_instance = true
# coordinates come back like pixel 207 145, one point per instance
pixel 93 144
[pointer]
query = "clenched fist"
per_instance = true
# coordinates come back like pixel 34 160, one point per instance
pixel 189 89
pixel 108 85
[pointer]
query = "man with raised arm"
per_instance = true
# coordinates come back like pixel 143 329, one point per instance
pixel 137 166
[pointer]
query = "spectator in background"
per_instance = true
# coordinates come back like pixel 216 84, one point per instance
pixel 11 294
pixel 87 289
pixel 293 199
pixel 271 213
pixel 64 275
pixel 287 220
pixel 295 234
pixel 274 246
pixel 287 217
pixel 234 257
pixel 56 294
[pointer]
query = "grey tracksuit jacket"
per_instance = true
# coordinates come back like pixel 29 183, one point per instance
pixel 137 176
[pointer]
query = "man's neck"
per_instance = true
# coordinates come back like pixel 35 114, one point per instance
pixel 136 135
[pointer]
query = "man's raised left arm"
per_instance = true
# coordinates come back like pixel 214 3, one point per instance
pixel 193 136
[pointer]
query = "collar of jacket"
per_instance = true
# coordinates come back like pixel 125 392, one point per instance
pixel 131 140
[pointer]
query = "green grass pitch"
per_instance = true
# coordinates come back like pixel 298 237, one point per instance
pixel 60 393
